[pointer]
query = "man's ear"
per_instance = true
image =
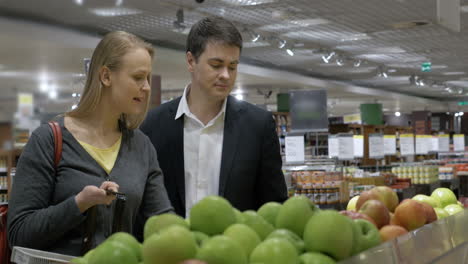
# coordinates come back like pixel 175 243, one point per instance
pixel 105 76
pixel 191 61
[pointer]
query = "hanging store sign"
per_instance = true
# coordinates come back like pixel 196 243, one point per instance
pixel 434 144
pixel 389 144
pixel 444 142
pixel 358 146
pixel 345 147
pixel 422 146
pixel 426 67
pixel 459 142
pixel 407 144
pixel 294 149
pixel 333 149
pixel 376 146
pixel 308 111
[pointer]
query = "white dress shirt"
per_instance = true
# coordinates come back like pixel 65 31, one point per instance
pixel 203 146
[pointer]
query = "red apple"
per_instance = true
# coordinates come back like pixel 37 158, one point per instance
pixel 410 214
pixel 390 198
pixel 356 215
pixel 377 211
pixel 366 196
pixel 393 220
pixel 389 232
pixel 431 215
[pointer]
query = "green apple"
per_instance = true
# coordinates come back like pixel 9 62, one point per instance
pixel 244 235
pixel 445 196
pixel 113 252
pixel 295 213
pixel 352 203
pixel 452 209
pixel 239 217
pixel 212 215
pixel 275 251
pixel 171 246
pixel 157 223
pixel 294 239
pixel 269 212
pixel 315 258
pixel 368 236
pixel 441 213
pixel 129 240
pixel 428 200
pixel 257 223
pixel 331 233
pixel 222 250
pixel 79 261
pixel 200 237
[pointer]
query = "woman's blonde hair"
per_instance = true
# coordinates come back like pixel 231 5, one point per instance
pixel 109 53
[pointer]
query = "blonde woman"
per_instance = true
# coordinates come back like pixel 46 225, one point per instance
pixel 102 150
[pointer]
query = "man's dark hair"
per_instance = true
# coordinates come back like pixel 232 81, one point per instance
pixel 214 29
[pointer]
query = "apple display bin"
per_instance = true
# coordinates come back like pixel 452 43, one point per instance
pixel 440 240
pixel 22 255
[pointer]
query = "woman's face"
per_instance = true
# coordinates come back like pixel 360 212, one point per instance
pixel 130 88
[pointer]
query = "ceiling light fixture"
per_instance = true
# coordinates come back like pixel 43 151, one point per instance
pixel 357 63
pixel 290 51
pixel 179 23
pixel 328 57
pixel 255 37
pixel 340 61
pixel 281 43
pixel 397 113
pixel 78 2
pixel 420 81
pixel 239 97
pixel 382 72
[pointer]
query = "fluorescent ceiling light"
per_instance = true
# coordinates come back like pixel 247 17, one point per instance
pixel 114 11
pixel 290 52
pixel 294 24
pixel 247 2
pixel 355 37
pixel 250 44
pixel 239 97
pixel 454 73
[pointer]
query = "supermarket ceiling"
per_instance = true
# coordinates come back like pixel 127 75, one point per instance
pixel 359 50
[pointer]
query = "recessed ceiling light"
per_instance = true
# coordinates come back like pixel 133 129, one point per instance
pixel 114 11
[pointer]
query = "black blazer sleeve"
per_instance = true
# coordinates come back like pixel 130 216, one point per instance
pixel 271 185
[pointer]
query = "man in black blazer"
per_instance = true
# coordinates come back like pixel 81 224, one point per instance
pixel 208 142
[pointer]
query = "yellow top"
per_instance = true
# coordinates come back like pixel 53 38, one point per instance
pixel 105 157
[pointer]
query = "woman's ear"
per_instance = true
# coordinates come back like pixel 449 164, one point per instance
pixel 105 76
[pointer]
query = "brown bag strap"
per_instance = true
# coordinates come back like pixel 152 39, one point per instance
pixel 57 142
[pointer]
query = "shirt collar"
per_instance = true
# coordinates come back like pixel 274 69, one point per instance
pixel 183 107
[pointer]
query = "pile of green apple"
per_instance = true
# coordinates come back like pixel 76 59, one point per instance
pixel 393 219
pixel 296 232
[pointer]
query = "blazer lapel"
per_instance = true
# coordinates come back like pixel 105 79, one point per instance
pixel 178 151
pixel 230 142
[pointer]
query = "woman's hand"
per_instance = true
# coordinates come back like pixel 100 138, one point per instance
pixel 92 195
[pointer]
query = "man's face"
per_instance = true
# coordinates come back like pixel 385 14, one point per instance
pixel 215 71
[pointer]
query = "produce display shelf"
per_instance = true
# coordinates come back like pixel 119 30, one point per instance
pixel 442 240
pixel 22 255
